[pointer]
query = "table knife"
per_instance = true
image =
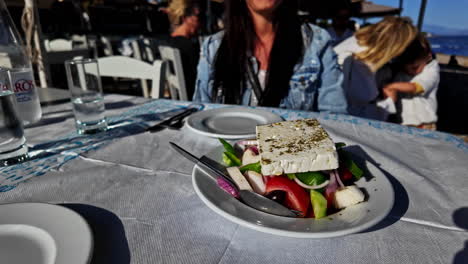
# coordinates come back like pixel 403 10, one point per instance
pixel 172 119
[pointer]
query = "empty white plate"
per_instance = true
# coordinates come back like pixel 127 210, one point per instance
pixel 230 123
pixel 24 244
pixel 43 234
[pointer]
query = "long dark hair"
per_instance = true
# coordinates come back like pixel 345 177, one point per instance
pixel 239 41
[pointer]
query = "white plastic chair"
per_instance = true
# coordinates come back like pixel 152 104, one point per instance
pixel 58 45
pixel 175 78
pixel 142 55
pixel 79 41
pixel 108 51
pixel 142 50
pixel 147 49
pixel 126 67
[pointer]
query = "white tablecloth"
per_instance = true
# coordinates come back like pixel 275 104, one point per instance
pixel 137 195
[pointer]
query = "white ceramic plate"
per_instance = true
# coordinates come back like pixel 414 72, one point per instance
pixel 350 220
pixel 230 123
pixel 43 234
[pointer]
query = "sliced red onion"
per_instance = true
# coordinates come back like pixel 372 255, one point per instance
pixel 253 148
pixel 311 187
pixel 332 186
pixel 338 179
pixel 227 187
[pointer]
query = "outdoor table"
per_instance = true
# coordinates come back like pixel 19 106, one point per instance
pixel 49 96
pixel 136 193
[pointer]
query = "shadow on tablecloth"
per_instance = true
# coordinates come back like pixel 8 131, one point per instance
pixel 110 242
pixel 401 204
pixel 460 218
pixel 45 120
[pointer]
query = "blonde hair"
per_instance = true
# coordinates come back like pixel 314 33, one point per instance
pixel 177 10
pixel 385 40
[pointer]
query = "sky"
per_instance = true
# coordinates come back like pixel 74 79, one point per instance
pixel 447 13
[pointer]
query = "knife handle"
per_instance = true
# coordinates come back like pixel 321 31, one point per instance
pixel 173 119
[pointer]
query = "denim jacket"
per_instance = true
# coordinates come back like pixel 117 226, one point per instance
pixel 316 84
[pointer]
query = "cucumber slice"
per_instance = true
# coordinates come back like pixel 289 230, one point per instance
pixel 319 204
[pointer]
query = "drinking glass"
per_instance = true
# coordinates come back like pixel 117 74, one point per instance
pixel 13 147
pixel 87 99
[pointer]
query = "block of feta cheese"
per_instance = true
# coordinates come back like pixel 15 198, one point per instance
pixel 295 146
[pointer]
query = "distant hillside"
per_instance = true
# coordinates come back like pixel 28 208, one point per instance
pixel 444 31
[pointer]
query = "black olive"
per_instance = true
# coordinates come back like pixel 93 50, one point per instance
pixel 277 196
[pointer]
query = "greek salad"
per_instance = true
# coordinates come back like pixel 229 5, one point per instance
pixel 313 194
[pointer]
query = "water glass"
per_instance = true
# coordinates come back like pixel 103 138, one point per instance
pixel 13 147
pixel 87 99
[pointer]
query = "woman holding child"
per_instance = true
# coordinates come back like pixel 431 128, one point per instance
pixel 387 63
pixel 363 55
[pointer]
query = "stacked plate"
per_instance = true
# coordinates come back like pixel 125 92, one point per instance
pixel 230 123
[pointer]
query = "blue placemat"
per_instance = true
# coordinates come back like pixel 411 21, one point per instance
pixel 52 155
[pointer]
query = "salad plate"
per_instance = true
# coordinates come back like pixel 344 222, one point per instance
pixel 231 122
pixel 43 234
pixel 353 219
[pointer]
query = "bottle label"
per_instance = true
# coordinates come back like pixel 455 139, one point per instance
pixel 27 98
pixel 23 86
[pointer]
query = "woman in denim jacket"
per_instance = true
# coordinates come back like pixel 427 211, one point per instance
pixel 266 57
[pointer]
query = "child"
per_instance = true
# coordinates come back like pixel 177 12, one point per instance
pixel 415 84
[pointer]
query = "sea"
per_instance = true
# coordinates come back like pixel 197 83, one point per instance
pixel 451 45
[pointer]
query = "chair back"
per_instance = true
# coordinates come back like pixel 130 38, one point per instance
pixel 107 46
pixel 139 54
pixel 142 49
pixel 58 45
pixel 174 72
pixel 80 41
pixel 126 67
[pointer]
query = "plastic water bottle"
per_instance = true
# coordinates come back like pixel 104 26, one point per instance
pixel 13 57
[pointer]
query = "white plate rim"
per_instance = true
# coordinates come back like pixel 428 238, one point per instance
pixel 286 233
pixel 82 224
pixel 271 117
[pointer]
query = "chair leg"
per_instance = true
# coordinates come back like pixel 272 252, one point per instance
pixel 144 87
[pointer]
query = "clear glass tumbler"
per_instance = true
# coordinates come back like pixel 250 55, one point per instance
pixel 13 147
pixel 87 99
